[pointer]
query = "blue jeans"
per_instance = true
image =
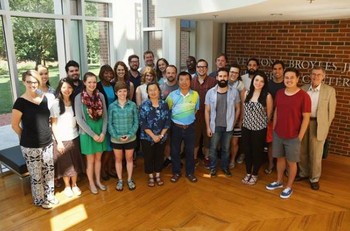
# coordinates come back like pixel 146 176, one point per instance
pixel 224 137
pixel 177 136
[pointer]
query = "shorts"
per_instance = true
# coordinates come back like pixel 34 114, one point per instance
pixel 126 146
pixel 288 148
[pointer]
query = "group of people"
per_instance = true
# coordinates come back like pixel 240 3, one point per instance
pixel 88 126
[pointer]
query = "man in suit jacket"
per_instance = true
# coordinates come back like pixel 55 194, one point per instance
pixel 323 103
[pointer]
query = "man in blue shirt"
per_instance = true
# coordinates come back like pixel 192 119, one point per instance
pixel 183 104
pixel 222 108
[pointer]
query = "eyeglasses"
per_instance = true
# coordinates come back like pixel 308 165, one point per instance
pixel 30 82
pixel 202 66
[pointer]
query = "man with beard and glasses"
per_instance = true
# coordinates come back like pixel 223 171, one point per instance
pixel 73 72
pixel 134 74
pixel 252 67
pixel 222 108
pixel 202 83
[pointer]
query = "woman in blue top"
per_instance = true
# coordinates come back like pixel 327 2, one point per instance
pixel 154 123
pixel 123 123
pixel 106 87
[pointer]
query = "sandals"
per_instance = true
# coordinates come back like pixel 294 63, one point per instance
pixel 131 184
pixel 159 181
pixel 119 186
pixel 151 182
pixel 175 178
pixel 246 179
pixel 253 179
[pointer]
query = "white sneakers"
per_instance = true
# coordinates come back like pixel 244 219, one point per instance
pixel 69 192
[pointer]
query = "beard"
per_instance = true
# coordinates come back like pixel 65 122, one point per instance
pixel 251 72
pixel 222 83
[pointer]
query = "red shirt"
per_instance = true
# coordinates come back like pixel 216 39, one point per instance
pixel 202 89
pixel 290 111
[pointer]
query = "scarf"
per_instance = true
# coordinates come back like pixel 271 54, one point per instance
pixel 93 104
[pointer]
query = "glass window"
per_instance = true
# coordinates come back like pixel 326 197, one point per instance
pixel 155 43
pixel 96 9
pixel 184 48
pixel 42 6
pixel 5 82
pixel 35 43
pixel 75 8
pixel 97 37
pixel 152 19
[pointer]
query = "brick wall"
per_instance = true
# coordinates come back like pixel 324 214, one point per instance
pixel 302 44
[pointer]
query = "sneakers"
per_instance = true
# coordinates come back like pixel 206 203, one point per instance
pixel 274 185
pixel 68 192
pixel 54 201
pixel 240 158
pixel 212 172
pixel 76 190
pixel 286 193
pixel 227 172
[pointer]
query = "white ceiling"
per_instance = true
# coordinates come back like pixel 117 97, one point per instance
pixel 255 10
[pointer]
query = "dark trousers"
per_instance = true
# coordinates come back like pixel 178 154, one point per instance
pixel 253 143
pixel 188 136
pixel 153 156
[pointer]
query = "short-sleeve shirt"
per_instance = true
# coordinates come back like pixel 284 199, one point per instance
pixel 36 131
pixel 66 122
pixel 290 109
pixel 183 107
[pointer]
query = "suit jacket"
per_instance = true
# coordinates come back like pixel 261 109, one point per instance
pixel 325 109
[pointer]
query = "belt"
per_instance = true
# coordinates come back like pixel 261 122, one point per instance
pixel 181 126
pixel 313 118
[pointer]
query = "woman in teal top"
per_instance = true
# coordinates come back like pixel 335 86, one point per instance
pixel 123 122
pixel 91 115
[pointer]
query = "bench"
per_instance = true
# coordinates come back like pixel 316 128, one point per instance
pixel 12 158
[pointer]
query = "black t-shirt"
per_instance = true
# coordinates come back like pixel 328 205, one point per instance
pixel 36 131
pixel 274 87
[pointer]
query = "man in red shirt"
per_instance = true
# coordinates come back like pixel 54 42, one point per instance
pixel 290 121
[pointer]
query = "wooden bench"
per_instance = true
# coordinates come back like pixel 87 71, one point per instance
pixel 12 158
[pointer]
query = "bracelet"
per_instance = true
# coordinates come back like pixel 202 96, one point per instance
pixel 161 136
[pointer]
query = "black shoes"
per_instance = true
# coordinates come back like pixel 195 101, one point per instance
pixel 315 185
pixel 212 173
pixel 227 172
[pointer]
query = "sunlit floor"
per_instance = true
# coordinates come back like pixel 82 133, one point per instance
pixel 211 204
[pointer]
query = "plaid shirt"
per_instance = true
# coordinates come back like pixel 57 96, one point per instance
pixel 202 89
pixel 123 121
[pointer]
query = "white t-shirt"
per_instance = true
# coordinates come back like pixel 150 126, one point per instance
pixel 66 123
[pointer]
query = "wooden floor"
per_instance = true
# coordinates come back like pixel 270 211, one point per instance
pixel 211 204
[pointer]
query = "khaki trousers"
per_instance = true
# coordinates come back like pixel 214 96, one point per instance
pixel 310 164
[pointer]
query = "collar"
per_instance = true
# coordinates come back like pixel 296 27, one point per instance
pixel 314 89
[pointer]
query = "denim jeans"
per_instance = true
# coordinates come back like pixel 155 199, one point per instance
pixel 177 136
pixel 224 138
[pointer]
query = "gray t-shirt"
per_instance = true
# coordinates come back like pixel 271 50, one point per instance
pixel 221 108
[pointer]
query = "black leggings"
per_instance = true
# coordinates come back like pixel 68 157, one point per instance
pixel 253 143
